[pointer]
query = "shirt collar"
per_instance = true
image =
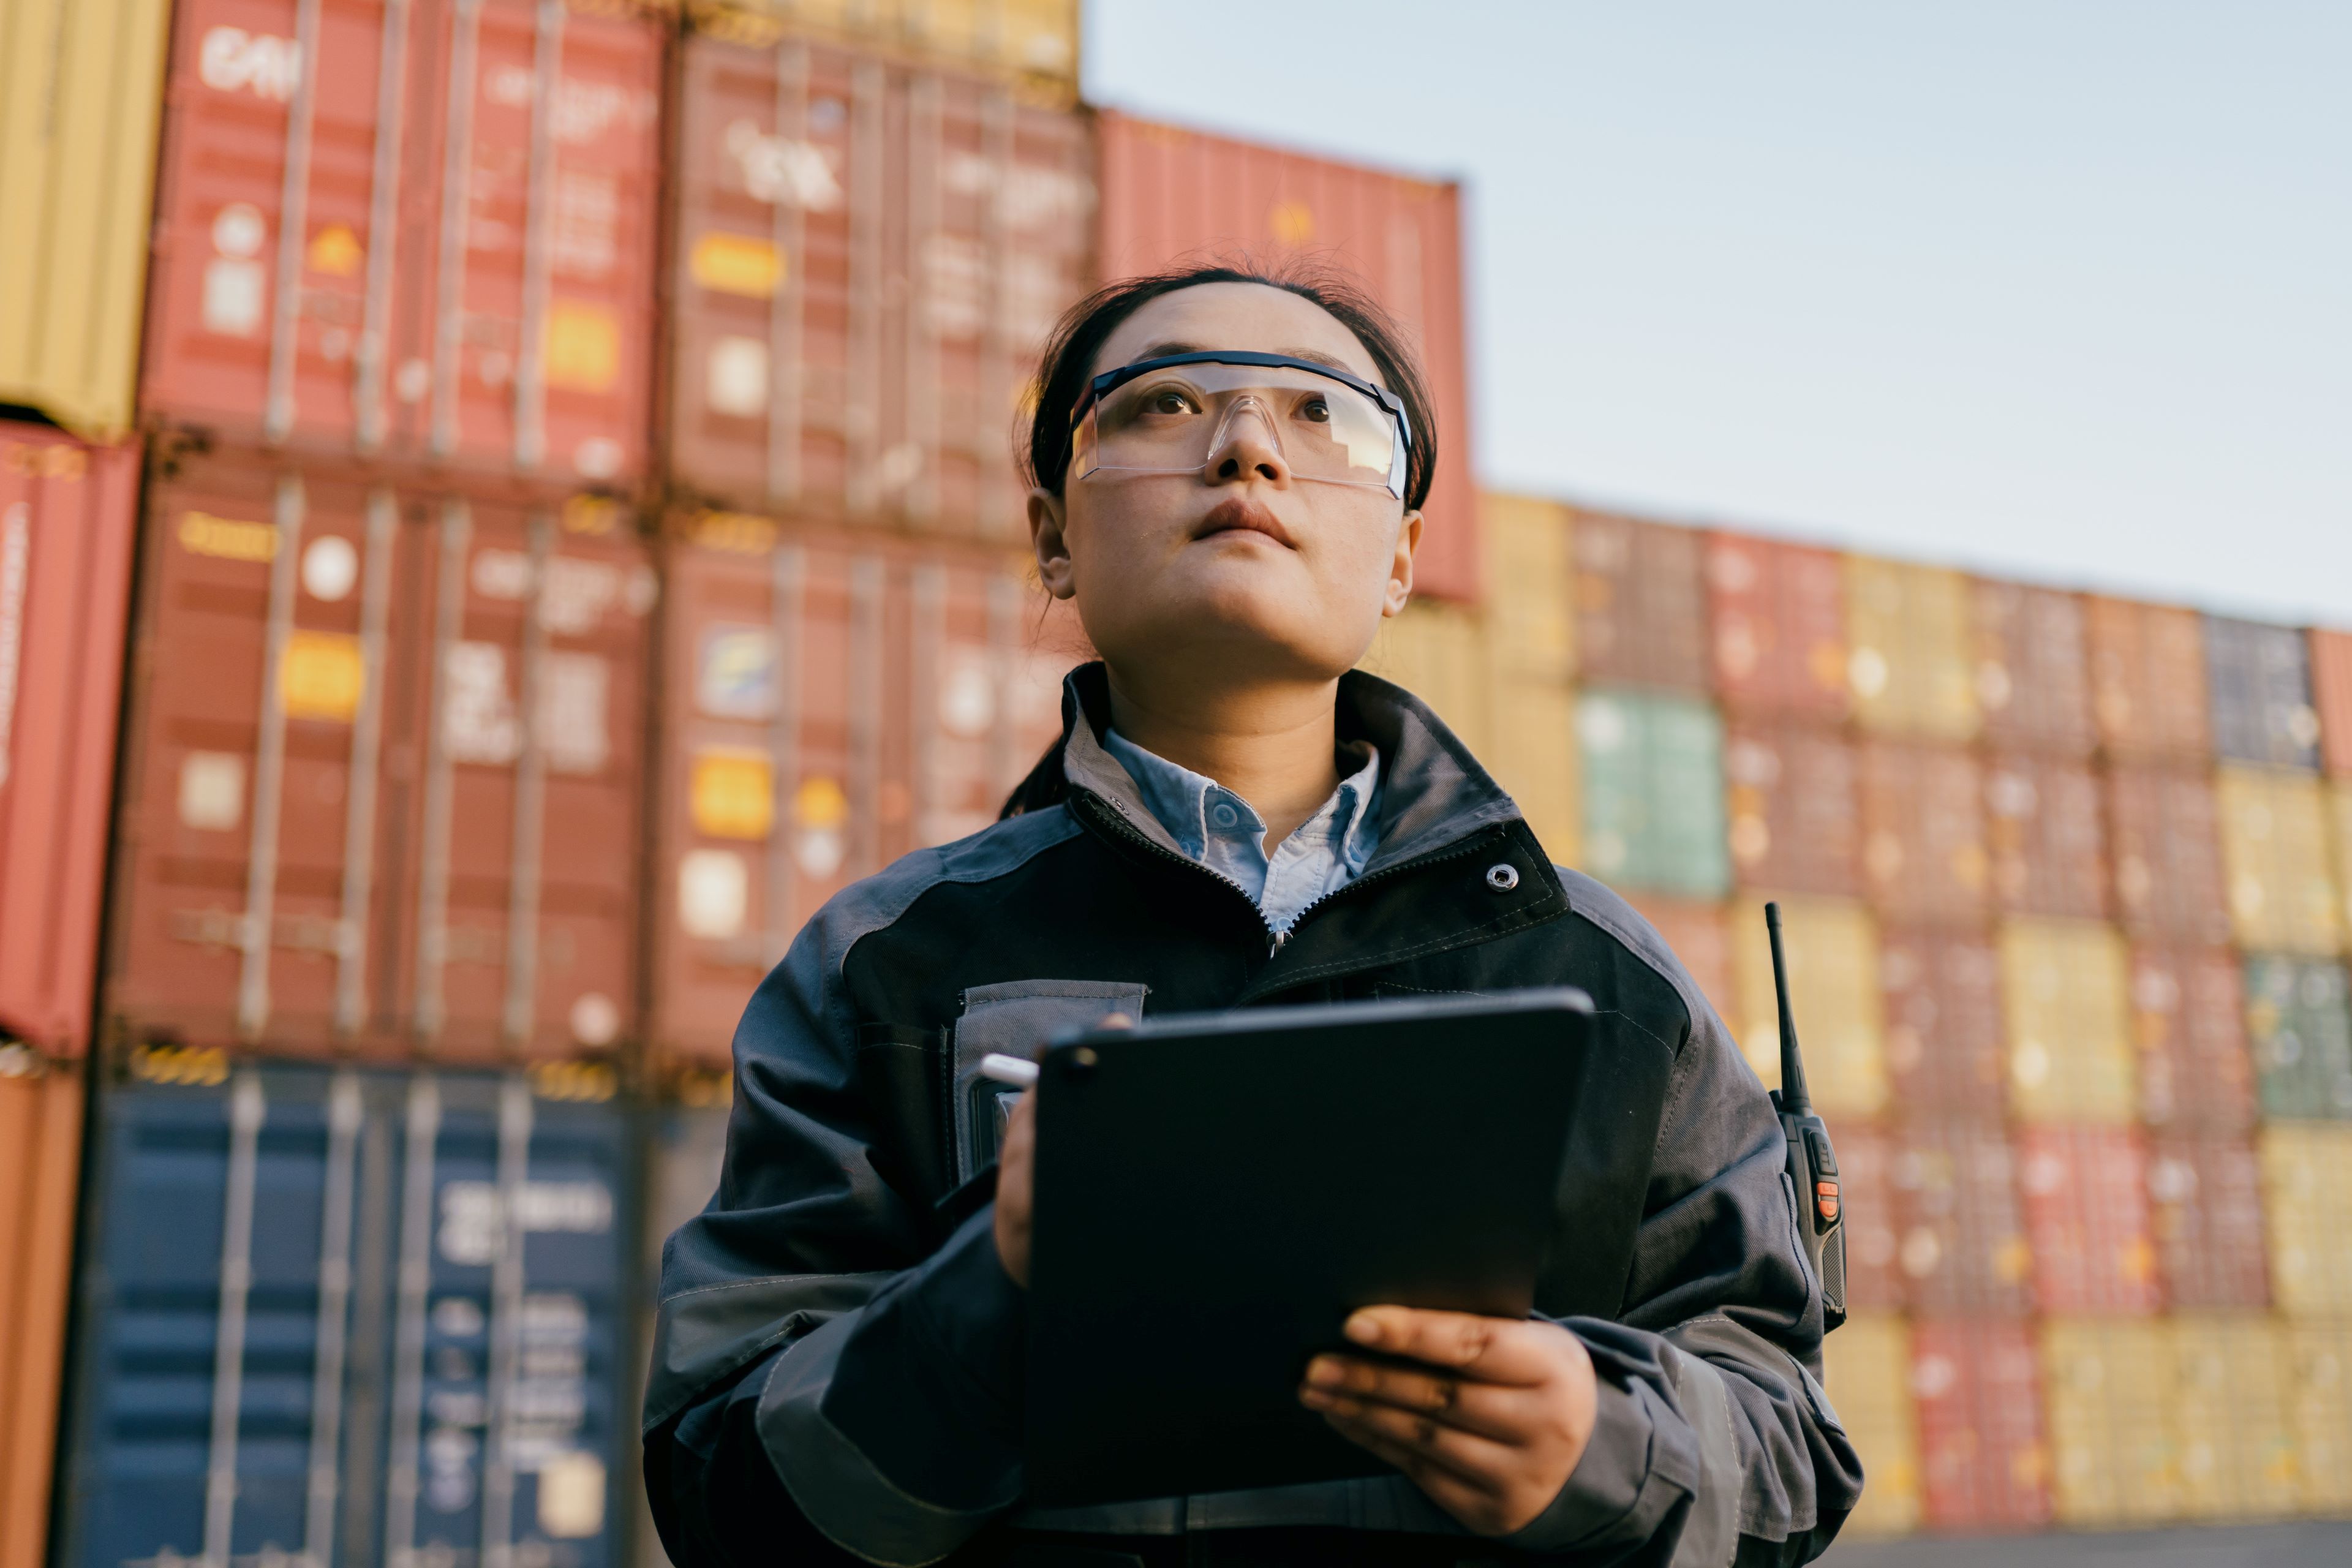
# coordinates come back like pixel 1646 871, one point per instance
pixel 1193 806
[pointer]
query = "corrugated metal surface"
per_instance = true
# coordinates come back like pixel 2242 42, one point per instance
pixel 1794 810
pixel 2165 837
pixel 2106 1384
pixel 420 230
pixel 68 517
pixel 1866 1182
pixel 1528 553
pixel 1944 1049
pixel 1962 1243
pixel 339 832
pixel 868 259
pixel 1653 784
pixel 1701 937
pixel 2283 898
pixel 1172 196
pixel 2065 995
pixel 1924 859
pixel 2188 1018
pixel 2049 851
pixel 2306 1171
pixel 78 111
pixel 2034 672
pixel 2148 680
pixel 2299 1022
pixel 831 702
pixel 2084 1192
pixel 1832 947
pixel 1530 749
pixel 2205 1211
pixel 372 1319
pixel 1438 652
pixel 1866 1369
pixel 1909 660
pixel 1640 604
pixel 2261 694
pixel 1984 1463
pixel 1032 42
pixel 1779 618
pixel 2233 1407
pixel 2319 1361
pixel 2331 696
pixel 40 1160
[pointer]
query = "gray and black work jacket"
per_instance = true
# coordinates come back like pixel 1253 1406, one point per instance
pixel 837 1370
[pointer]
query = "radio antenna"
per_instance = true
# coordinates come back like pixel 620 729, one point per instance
pixel 1793 1099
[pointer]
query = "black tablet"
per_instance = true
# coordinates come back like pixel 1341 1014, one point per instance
pixel 1216 1193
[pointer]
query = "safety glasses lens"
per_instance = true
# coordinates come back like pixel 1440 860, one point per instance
pixel 1177 419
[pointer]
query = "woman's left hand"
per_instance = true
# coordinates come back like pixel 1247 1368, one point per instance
pixel 1490 1423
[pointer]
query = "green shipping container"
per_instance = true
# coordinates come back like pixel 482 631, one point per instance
pixel 1654 793
pixel 2300 1025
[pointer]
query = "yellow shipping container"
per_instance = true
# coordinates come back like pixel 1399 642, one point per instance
pixel 2319 1354
pixel 1531 750
pixel 1036 41
pixel 2104 1385
pixel 2232 1414
pixel 2275 847
pixel 2339 812
pixel 1438 653
pixel 1528 571
pixel 1831 946
pixel 81 89
pixel 2306 1177
pixel 2065 997
pixel 1866 1372
pixel 1908 649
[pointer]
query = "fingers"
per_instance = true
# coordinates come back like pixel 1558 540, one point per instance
pixel 1114 1021
pixel 1490 1410
pixel 1489 1350
pixel 1421 1445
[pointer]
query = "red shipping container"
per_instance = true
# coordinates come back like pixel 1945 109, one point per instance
pixel 1984 1461
pixel 2205 1207
pixel 1778 612
pixel 67 516
pixel 424 231
pixel 2033 675
pixel 2331 693
pixel 833 702
pixel 1961 1245
pixel 2148 680
pixel 1794 819
pixel 2188 1019
pixel 2049 853
pixel 1874 1281
pixel 381 791
pixel 1174 197
pixel 1641 603
pixel 2085 1195
pixel 2165 837
pixel 1945 1052
pixel 1923 846
pixel 868 257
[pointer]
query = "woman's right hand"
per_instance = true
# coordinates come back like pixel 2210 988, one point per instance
pixel 1014 1163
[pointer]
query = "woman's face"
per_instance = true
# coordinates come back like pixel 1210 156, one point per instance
pixel 1240 570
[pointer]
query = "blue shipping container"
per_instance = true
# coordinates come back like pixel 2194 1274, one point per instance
pixel 354 1319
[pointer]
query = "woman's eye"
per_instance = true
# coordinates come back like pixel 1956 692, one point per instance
pixel 1316 411
pixel 1169 401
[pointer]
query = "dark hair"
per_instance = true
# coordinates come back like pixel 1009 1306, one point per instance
pixel 1068 362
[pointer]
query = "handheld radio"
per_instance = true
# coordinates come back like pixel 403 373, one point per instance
pixel 1812 1163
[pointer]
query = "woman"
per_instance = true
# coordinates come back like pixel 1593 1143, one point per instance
pixel 1228 470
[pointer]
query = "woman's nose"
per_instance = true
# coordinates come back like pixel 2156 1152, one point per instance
pixel 1247 447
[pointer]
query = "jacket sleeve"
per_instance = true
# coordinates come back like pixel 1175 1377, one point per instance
pixel 807 1305
pixel 1714 1442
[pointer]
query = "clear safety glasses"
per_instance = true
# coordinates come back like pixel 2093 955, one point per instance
pixel 1173 415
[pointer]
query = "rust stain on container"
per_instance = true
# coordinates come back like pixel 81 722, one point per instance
pixel 2033 675
pixel 1984 1462
pixel 2064 994
pixel 2147 679
pixel 2306 1171
pixel 2331 696
pixel 2164 834
pixel 69 515
pixel 1866 1369
pixel 1923 858
pixel 2043 820
pixel 1778 612
pixel 1792 806
pixel 1171 197
pixel 40 1155
pixel 1960 1238
pixel 1908 660
pixel 424 231
pixel 1641 603
pixel 2205 1209
pixel 2188 1019
pixel 1944 1050
pixel 1832 947
pixel 2108 1382
pixel 1698 934
pixel 2275 845
pixel 383 789
pixel 2084 1193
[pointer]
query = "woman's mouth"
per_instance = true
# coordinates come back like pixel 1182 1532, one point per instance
pixel 1236 515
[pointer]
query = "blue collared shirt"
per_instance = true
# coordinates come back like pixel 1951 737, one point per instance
pixel 1223 832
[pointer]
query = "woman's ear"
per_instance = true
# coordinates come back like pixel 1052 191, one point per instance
pixel 1047 520
pixel 1400 568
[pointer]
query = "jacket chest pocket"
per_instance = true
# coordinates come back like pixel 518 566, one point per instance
pixel 1015 1017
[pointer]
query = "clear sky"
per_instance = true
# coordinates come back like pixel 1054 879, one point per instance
pixel 2062 291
